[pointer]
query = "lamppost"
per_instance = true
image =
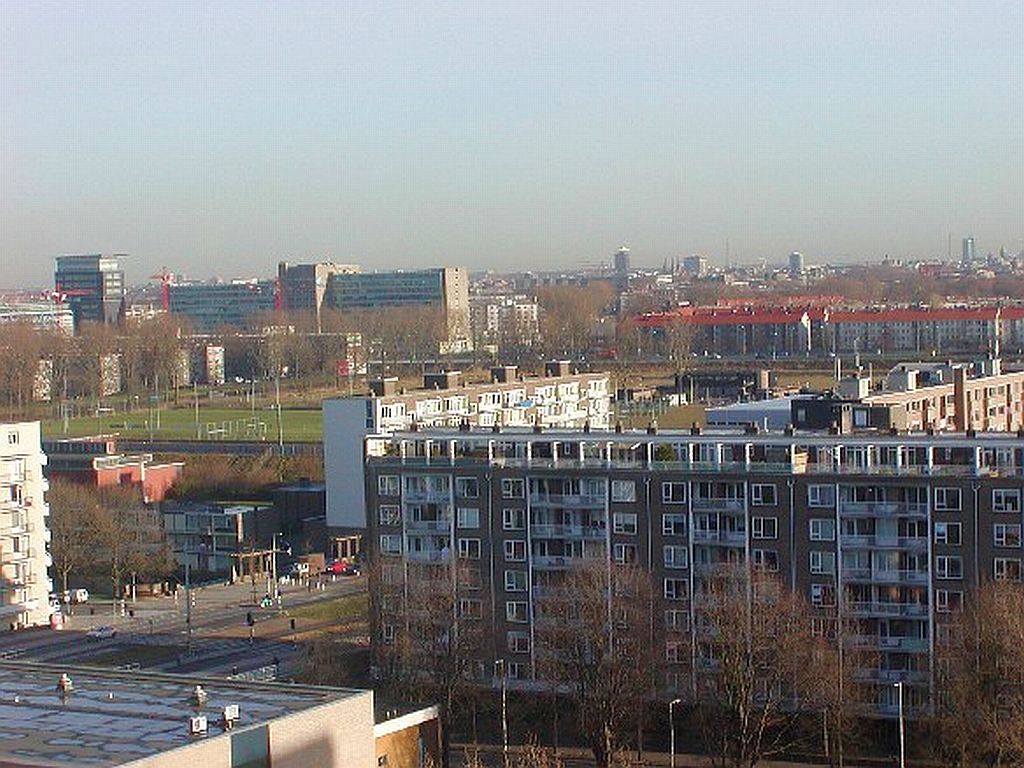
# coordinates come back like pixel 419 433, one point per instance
pixel 903 753
pixel 284 550
pixel 672 732
pixel 500 664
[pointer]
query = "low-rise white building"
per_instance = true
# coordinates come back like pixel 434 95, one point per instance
pixel 558 400
pixel 24 536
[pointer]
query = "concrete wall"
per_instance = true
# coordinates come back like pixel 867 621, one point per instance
pixel 344 429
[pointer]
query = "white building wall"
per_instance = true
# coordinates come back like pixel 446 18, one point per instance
pixel 24 536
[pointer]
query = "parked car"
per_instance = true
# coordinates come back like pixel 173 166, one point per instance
pixel 103 632
pixel 335 566
pixel 77 595
pixel 298 569
pixel 351 569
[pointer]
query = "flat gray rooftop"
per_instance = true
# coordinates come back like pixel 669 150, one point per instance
pixel 114 717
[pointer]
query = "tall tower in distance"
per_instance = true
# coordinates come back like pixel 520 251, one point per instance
pixel 620 262
pixel 94 286
pixel 796 264
pixel 968 248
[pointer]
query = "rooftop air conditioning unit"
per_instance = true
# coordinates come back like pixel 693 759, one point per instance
pixel 197 725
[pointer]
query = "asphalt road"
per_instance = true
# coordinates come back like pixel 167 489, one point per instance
pixel 161 621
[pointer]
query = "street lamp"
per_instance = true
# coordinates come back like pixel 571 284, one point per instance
pixel 500 664
pixel 903 753
pixel 672 732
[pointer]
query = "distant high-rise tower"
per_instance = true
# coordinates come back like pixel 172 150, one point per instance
pixel 695 265
pixel 796 263
pixel 968 248
pixel 94 286
pixel 620 261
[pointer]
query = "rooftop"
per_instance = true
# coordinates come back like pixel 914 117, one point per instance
pixel 114 717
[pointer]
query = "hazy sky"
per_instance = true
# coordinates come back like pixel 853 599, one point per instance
pixel 219 137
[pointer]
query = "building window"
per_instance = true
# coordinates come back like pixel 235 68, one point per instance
pixel 673 525
pixel 390 544
pixel 518 642
pixel 673 493
pixel 823 595
pixel 676 589
pixel 1006 568
pixel 949 567
pixel 513 519
pixel 822 529
pixel 764 528
pixel 947 533
pixel 469 549
pixel 675 651
pixel 821 496
pixel 624 554
pixel 518 671
pixel 515 581
pixel 467 487
pixel 470 608
pixel 511 488
pixel 823 562
pixel 765 559
pixel 947 499
pixel 387 633
pixel 515 551
pixel 675 556
pixel 389 514
pixel 763 495
pixel 468 517
pixel 388 485
pixel 1006 534
pixel 948 600
pixel 623 490
pixel 677 619
pixel 517 612
pixel 1005 500
pixel 623 522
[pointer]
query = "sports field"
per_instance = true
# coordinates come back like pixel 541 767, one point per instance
pixel 180 423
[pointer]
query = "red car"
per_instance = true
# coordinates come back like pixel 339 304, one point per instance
pixel 335 566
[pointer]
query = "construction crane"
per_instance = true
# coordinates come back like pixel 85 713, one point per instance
pixel 166 278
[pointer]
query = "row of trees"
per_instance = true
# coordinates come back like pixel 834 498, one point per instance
pixel 770 678
pixel 101 534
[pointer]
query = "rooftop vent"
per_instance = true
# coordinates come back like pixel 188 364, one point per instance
pixel 618 427
pixel 64 684
pixel 652 428
pixel 790 430
pixel 695 428
pixel 229 716
pixel 198 696
pixel 197 725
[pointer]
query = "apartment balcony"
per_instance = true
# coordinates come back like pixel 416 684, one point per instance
pixel 914 543
pixel 437 526
pixel 871 608
pixel 882 509
pixel 722 505
pixel 872 675
pixel 427 556
pixel 726 538
pixel 886 576
pixel 890 643
pixel 426 497
pixel 568 501
pixel 555 562
pixel 556 531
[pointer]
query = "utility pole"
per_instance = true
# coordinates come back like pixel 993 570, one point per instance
pixel 188 603
pixel 500 663
pixel 903 743
pixel 195 397
pixel 672 732
pixel 280 426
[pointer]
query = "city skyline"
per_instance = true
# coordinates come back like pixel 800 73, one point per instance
pixel 221 140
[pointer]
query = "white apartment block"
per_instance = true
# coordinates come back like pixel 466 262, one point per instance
pixel 558 400
pixel 24 535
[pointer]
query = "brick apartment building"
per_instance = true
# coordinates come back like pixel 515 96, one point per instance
pixel 887 530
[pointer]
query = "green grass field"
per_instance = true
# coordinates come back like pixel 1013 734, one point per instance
pixel 340 609
pixel 214 424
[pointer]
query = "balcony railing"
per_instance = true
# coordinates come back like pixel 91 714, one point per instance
pixel 426 496
pixel 574 501
pixel 553 561
pixel 557 531
pixel 730 505
pixel 426 556
pixel 878 608
pixel 885 542
pixel 440 525
pixel 882 509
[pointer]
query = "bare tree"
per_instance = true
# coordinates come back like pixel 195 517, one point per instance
pixel 73 528
pixel 760 670
pixel 21 346
pixel 569 314
pixel 437 637
pixel 980 680
pixel 593 635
